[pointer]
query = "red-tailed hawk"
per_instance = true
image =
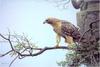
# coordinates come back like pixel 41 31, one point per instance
pixel 64 29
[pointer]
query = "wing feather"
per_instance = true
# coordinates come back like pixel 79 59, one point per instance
pixel 69 29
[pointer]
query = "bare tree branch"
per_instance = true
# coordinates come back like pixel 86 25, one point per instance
pixel 3 37
pixel 5 53
pixel 88 29
pixel 13 60
pixel 40 50
pixel 16 58
pixel 8 39
pixel 44 49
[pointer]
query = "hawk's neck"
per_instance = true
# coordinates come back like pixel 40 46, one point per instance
pixel 57 27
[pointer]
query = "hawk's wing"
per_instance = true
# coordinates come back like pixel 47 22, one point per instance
pixel 69 29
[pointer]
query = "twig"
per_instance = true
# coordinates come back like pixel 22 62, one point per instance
pixel 8 39
pixel 10 44
pixel 16 58
pixel 88 29
pixel 3 37
pixel 95 62
pixel 83 59
pixel 5 53
pixel 13 60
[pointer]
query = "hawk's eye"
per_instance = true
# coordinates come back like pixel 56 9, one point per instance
pixel 46 20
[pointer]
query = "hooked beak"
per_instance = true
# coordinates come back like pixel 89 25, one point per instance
pixel 44 22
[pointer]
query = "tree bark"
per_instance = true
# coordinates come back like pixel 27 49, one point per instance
pixel 88 21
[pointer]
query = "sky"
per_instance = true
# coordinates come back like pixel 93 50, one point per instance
pixel 27 16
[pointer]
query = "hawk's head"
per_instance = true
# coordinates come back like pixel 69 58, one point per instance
pixel 52 21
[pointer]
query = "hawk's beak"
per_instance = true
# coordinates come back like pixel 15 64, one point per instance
pixel 44 22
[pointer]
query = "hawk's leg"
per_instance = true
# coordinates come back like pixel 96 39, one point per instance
pixel 58 39
pixel 69 40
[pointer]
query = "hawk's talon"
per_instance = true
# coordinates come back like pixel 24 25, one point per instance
pixel 72 45
pixel 57 45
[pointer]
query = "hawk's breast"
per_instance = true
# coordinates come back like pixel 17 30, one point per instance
pixel 57 28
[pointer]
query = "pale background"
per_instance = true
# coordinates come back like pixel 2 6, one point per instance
pixel 27 16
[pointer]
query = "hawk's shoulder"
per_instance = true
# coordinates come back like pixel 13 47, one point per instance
pixel 68 25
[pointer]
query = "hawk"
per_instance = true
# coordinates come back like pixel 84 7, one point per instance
pixel 64 29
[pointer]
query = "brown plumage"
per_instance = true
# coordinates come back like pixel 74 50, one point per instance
pixel 64 29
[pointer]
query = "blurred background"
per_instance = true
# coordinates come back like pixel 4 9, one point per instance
pixel 27 16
